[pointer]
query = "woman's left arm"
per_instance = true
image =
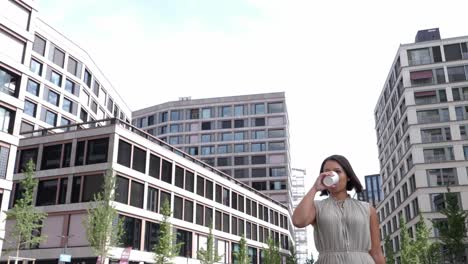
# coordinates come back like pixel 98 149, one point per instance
pixel 376 250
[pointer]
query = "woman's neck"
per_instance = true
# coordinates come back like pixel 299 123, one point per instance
pixel 340 196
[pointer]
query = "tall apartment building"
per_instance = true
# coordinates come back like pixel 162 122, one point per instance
pixel 421 124
pixel 243 136
pixel 373 192
pixel 300 234
pixel 58 109
pixel 45 81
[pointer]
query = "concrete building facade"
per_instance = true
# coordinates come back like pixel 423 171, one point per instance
pixel 244 136
pixel 421 118
pixel 71 167
pixel 45 81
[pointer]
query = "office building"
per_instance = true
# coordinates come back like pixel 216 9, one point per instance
pixel 45 81
pixel 244 136
pixel 421 123
pixel 71 167
pixel 58 109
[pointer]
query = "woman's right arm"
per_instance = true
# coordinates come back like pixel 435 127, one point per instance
pixel 305 212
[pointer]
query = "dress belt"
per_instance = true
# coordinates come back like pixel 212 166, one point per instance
pixel 343 251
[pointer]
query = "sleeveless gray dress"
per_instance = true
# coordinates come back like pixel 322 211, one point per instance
pixel 342 231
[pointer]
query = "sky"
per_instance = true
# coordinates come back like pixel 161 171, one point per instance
pixel 331 58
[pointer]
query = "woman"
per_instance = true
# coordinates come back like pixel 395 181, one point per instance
pixel 346 231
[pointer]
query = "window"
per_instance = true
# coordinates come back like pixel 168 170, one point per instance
pixel 456 74
pixel 207 150
pixel 456 51
pixel 226 111
pixel 189 181
pixel 200 186
pixel 226 137
pixel 194 113
pixel 4 155
pixel 132 232
pixel 239 123
pixel 136 194
pixel 275 107
pixel 67 105
pixel 139 159
pixel 58 57
pixel 96 88
pixel 51 118
pixel 272 146
pixel 258 147
pixel 259 109
pixel 438 154
pixel 419 56
pixel 151 235
pixel 152 203
pixel 206 138
pixel 154 166
pixel 36 67
pixel 91 186
pixel 278 172
pixel 430 97
pixel 225 124
pixel 72 66
pixel 174 128
pixel 46 192
pixel 223 149
pixel 166 172
pixel 438 200
pixel 206 113
pixel 178 207
pixel 83 115
pixel 259 122
pixel 276 133
pixel 51 157
pixel 30 108
pixel 259 159
pixel 124 155
pixel 259 172
pixel 97 151
pixel 53 97
pixel 239 110
pixel 39 45
pixel 176 115
pixel 25 156
pixel 94 106
pixel 433 115
pixel 56 78
pixel 239 148
pixel 110 104
pixel 188 211
pixel 87 78
pixel 259 186
pixel 421 77
pixel 206 125
pixel 258 134
pixel 33 87
pixel 121 190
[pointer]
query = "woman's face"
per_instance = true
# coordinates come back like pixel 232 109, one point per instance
pixel 332 165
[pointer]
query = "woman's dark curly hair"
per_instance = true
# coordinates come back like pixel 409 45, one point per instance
pixel 353 182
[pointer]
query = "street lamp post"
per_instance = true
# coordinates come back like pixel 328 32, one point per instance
pixel 66 237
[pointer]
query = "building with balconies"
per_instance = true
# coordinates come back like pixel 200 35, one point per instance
pixel 421 119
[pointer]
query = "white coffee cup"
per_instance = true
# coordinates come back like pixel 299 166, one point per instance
pixel 330 180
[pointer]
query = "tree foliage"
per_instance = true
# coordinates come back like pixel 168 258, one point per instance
pixel 427 252
pixel 102 230
pixel 452 232
pixel 272 255
pixel 166 249
pixel 389 253
pixel 28 220
pixel 242 256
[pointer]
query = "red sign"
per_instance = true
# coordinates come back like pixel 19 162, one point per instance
pixel 125 255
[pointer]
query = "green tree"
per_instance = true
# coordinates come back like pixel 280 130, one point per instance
pixel 408 254
pixel 210 254
pixel 389 253
pixel 28 220
pixel 292 259
pixel 272 255
pixel 427 252
pixel 242 256
pixel 101 230
pixel 166 249
pixel 452 232
pixel 310 260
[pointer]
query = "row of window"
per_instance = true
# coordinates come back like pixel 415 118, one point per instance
pixel 211 125
pixel 134 157
pixel 55 156
pixel 210 112
pixel 74 67
pixel 410 211
pixel 452 52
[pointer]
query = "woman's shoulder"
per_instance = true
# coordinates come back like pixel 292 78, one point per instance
pixel 360 203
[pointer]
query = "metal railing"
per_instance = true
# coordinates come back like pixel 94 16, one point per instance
pixel 139 132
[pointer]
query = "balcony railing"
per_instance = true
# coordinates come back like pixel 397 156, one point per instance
pixel 433 138
pixel 139 132
pixel 437 158
pixel 430 119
